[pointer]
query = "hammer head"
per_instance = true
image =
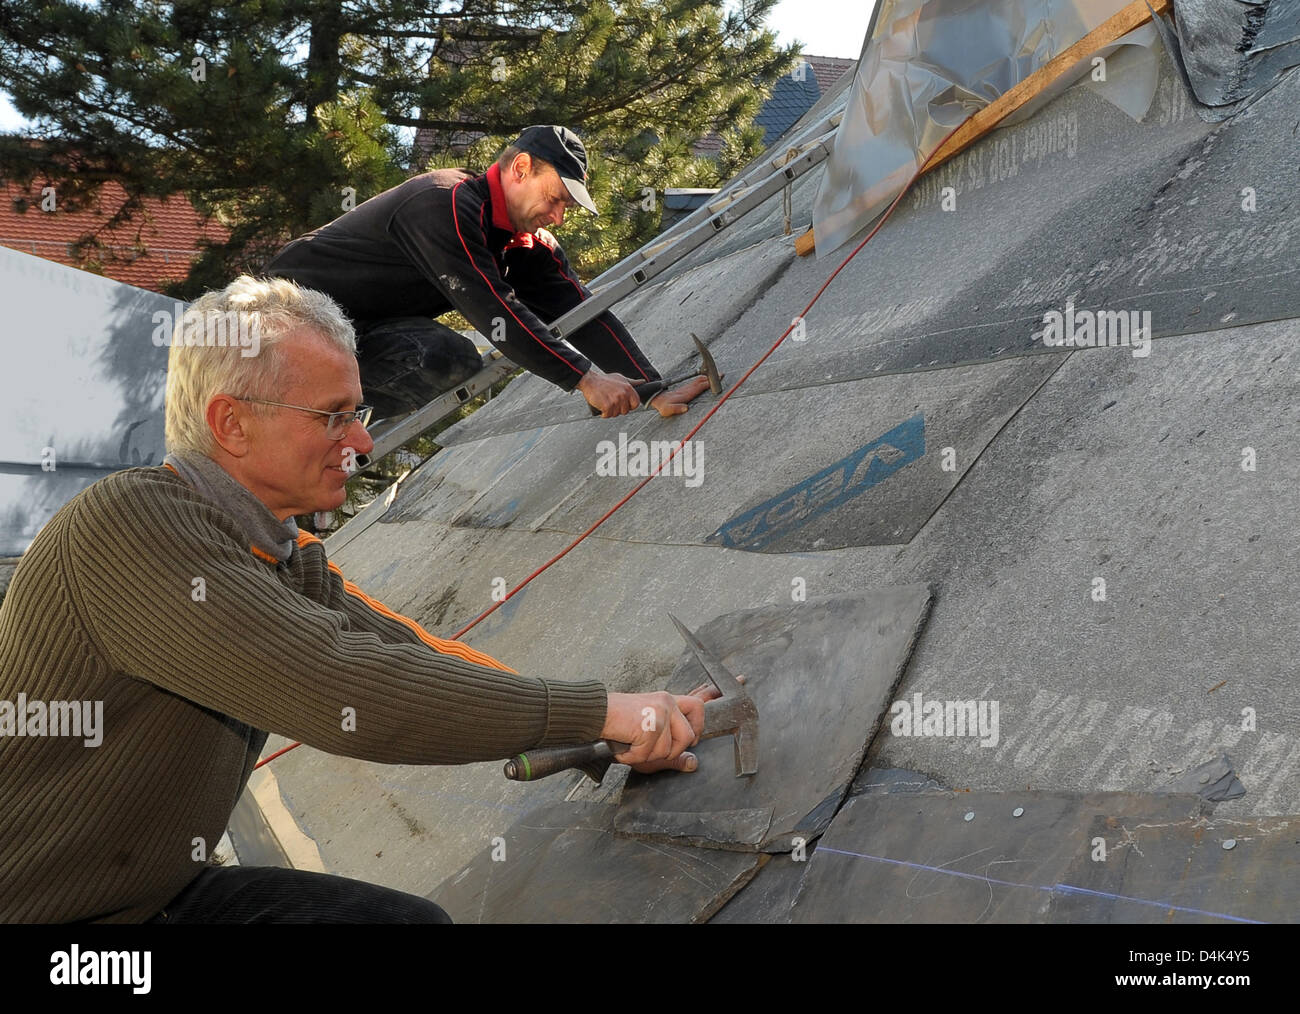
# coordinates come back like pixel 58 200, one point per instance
pixel 709 367
pixel 739 718
pixel 734 713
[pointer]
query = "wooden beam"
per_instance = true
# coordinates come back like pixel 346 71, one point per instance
pixel 1119 24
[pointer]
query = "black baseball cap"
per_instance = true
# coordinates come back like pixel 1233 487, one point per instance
pixel 562 148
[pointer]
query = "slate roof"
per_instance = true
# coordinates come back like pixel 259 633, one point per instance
pixel 827 471
pixel 792 96
pixel 920 436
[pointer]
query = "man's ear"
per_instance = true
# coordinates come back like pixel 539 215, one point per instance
pixel 226 420
pixel 522 165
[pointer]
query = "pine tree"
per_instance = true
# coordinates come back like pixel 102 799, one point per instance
pixel 275 116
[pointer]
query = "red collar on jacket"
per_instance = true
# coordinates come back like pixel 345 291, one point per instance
pixel 502 221
pixel 499 216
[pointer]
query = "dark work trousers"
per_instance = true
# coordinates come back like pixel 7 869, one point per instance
pixel 408 361
pixel 242 895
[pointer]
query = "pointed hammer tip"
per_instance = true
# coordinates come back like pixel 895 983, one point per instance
pixel 710 368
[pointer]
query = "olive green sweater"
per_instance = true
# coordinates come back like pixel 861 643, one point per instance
pixel 147 597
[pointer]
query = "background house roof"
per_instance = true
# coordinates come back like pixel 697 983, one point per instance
pixel 155 249
pixel 792 96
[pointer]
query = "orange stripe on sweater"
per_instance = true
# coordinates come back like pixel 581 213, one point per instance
pixel 438 644
pixel 262 554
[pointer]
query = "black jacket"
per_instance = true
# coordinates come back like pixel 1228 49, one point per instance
pixel 442 241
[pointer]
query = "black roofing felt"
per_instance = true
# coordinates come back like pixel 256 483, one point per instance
pixel 1230 50
pixel 974 857
pixel 1192 222
pixel 562 863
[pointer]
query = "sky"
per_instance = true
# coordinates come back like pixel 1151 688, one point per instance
pixel 825 27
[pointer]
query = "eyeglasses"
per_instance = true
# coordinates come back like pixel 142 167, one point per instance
pixel 338 423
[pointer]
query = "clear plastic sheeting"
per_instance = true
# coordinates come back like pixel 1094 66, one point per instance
pixel 931 63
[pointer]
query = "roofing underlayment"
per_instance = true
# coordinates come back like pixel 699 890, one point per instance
pixel 1018 617
pixel 1092 545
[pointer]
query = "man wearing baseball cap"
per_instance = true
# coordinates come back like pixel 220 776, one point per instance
pixel 447 240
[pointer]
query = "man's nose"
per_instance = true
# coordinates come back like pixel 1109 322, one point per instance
pixel 363 444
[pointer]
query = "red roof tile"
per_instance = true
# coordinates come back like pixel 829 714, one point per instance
pixel 157 247
pixel 829 69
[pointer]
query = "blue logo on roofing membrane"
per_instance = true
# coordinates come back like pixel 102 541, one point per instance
pixel 836 484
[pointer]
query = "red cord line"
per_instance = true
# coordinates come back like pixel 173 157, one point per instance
pixel 708 415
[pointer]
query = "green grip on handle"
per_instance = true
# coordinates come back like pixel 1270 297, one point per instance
pixel 547 760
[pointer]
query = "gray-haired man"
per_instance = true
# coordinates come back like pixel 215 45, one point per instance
pixel 184 599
